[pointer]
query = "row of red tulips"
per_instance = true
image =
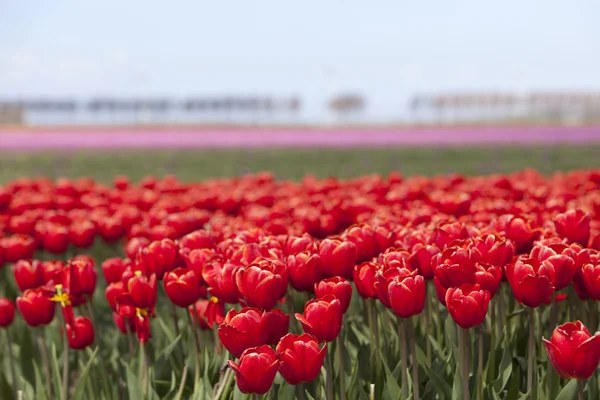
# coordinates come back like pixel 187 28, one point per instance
pixel 250 244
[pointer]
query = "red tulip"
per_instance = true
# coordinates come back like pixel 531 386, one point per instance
pixel 7 312
pixel 112 293
pixel 200 239
pixel 18 247
pixel 591 280
pixel 365 276
pixel 467 305
pixel 562 261
pixel 35 307
pixel 276 325
pixel 322 318
pixel 363 237
pixel 337 286
pixel 305 270
pixel 220 278
pixel 338 257
pixel 421 259
pixel 51 269
pixel 182 287
pixel 55 237
pixel 385 277
pixel 209 312
pixel 134 245
pixel 111 229
pixel 159 257
pixel 493 250
pixel 113 269
pixel 242 330
pixel 256 370
pixel 263 283
pixel 142 290
pixel 28 274
pixel 574 353
pixel 301 358
pixel 532 281
pixel 574 225
pixel 520 231
pixel 86 276
pixel 82 233
pixel 81 333
pixel 124 324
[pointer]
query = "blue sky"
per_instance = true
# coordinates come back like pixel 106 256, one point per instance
pixel 386 49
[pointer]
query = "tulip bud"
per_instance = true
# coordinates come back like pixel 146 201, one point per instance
pixel 322 318
pixel 574 225
pixel 182 287
pixel 82 233
pixel 7 312
pixel 263 283
pixel 365 276
pixel 256 370
pixel 467 305
pixel 113 269
pixel 301 358
pixel 337 286
pixel 574 353
pixel 209 312
pixel 159 257
pixel 532 281
pixel 28 274
pixel 35 307
pixel 18 247
pixel 338 257
pixel 242 330
pixel 304 270
pixel 81 333
pixel 220 275
pixel 142 290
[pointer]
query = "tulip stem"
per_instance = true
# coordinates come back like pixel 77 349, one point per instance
pixel 129 334
pixel 579 389
pixel 192 321
pixel 182 383
pixel 374 333
pixel 531 351
pixel 329 381
pixel 46 358
pixel 300 391
pixel 11 360
pixel 403 356
pixel 65 370
pixel 415 364
pixel 255 396
pixel 480 364
pixel 143 370
pixel 428 324
pixel 464 343
pixel 340 351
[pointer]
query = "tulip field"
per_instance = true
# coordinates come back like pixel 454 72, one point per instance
pixel 449 274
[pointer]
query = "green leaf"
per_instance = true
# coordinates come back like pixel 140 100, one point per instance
pixel 442 387
pixel 569 391
pixel 56 373
pixel 168 332
pixel 40 388
pixel 515 313
pixel 457 387
pixel 286 391
pixel 134 385
pixel 391 384
pixel 506 367
pixel 82 379
pixel 308 395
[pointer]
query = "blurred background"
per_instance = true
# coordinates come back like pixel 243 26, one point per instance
pixel 369 86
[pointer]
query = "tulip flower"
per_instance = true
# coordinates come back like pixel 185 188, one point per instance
pixel 384 278
pixel 113 269
pixel 363 237
pixel 86 276
pixel 18 247
pixel 563 263
pixel 159 257
pixel 81 334
pixel 421 258
pixel 573 351
pixel 338 257
pixel 209 312
pixel 304 270
pixel 532 281
pixel 142 290
pixel 337 286
pixel 256 370
pixel 55 237
pixel 467 305
pixel 242 330
pixel 574 225
pixel 35 307
pixel 7 312
pixel 364 276
pixel 182 287
pixel 591 280
pixel 28 274
pixel 263 283
pixel 301 358
pixel 322 318
pixel 220 278
pixel 82 233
